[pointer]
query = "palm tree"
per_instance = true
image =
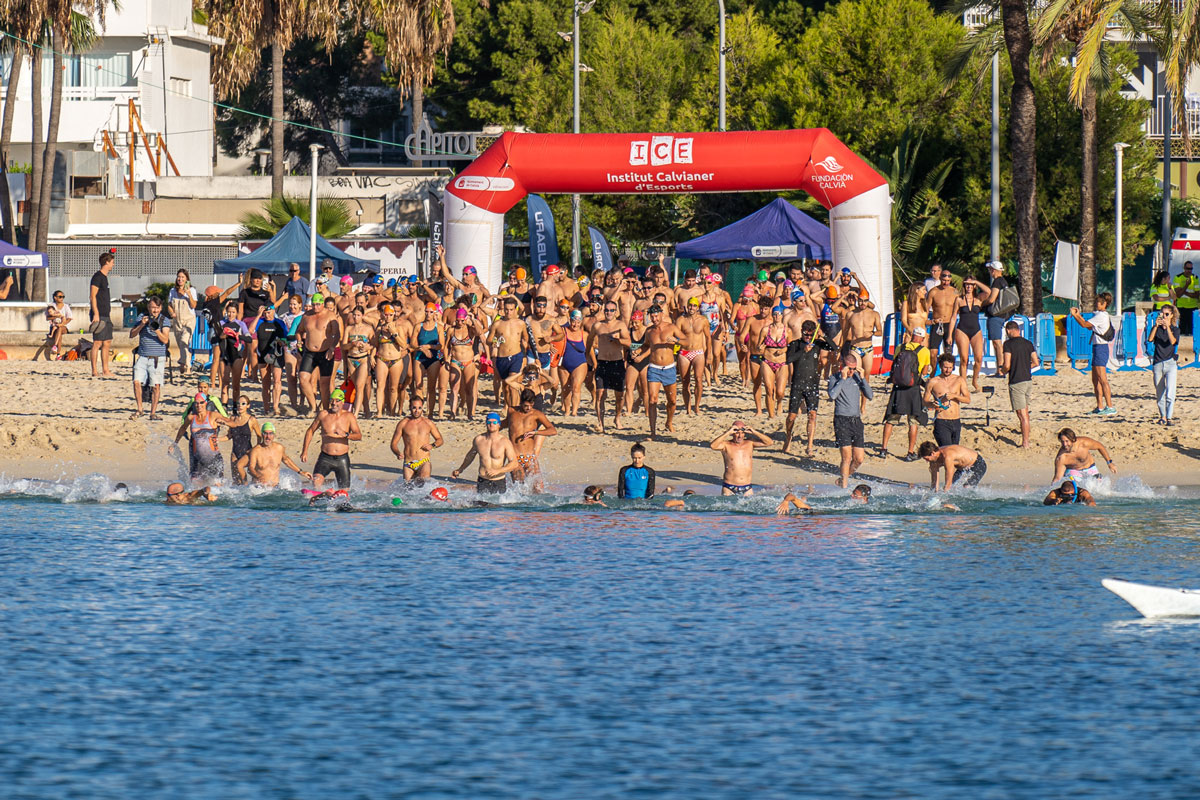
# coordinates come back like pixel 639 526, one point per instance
pixel 251 26
pixel 1082 26
pixel 1012 28
pixel 333 218
pixel 10 104
pixel 416 32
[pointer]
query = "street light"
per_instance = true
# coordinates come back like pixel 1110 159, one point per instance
pixel 1119 148
pixel 315 149
pixel 577 9
pixel 995 157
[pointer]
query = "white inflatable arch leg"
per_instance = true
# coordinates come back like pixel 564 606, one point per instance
pixel 860 229
pixel 475 237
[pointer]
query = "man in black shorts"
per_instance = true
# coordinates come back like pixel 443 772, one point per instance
pixel 319 333
pixel 846 389
pixel 804 354
pixel 605 348
pixel 338 428
pixel 497 457
pixel 963 465
pixel 99 313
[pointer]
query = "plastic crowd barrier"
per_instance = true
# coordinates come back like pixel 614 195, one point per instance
pixel 1195 362
pixel 200 342
pixel 1079 343
pixel 1046 344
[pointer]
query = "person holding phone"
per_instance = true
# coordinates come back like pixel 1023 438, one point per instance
pixel 846 389
pixel 181 305
pixel 1164 336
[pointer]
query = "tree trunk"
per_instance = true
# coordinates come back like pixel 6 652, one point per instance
pixel 1018 40
pixel 1087 197
pixel 10 103
pixel 35 162
pixel 37 288
pixel 278 157
pixel 418 111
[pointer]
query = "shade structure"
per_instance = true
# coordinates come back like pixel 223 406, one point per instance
pixel 776 232
pixel 290 245
pixel 13 257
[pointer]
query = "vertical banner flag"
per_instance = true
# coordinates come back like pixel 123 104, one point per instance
pixel 601 252
pixel 543 240
pixel 434 218
pixel 1066 271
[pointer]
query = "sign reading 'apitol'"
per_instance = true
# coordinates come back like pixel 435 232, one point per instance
pixel 426 144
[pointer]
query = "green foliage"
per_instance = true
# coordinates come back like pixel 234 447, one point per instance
pixel 334 219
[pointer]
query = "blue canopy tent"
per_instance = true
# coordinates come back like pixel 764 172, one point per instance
pixel 776 232
pixel 13 257
pixel 290 245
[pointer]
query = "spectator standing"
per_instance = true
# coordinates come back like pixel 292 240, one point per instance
pixel 58 314
pixel 995 320
pixel 934 279
pixel 635 481
pixel 1161 293
pixel 296 285
pixel 181 305
pixel 909 370
pixel 152 332
pixel 943 307
pixel 326 277
pixel 99 312
pixel 1187 297
pixel 1101 325
pixel 1017 363
pixel 846 389
pixel 1164 336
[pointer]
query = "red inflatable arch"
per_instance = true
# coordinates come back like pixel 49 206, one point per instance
pixel 644 163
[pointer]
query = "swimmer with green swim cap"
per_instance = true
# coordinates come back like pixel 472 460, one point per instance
pixel 263 461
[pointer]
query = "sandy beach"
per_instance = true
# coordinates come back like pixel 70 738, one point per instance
pixel 57 422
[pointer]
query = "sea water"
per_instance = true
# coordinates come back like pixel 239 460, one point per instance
pixel 543 649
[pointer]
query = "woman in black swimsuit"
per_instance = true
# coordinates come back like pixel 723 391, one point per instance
pixel 243 432
pixel 967 334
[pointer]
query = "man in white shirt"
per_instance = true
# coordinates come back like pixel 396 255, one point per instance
pixel 934 279
pixel 1102 327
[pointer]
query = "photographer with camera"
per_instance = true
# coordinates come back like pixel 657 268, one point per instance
pixel 1162 339
pixel 150 362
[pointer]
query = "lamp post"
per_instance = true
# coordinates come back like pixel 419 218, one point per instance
pixel 995 157
pixel 315 149
pixel 1119 148
pixel 721 63
pixel 579 7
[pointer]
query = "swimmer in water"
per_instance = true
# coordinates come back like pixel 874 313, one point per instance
pixel 592 496
pixel 1068 494
pixel 177 496
pixel 338 428
pixel 497 458
pixel 263 461
pixel 1074 459
pixel 737 450
pixel 675 504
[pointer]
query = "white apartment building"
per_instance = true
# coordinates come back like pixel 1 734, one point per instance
pixel 150 56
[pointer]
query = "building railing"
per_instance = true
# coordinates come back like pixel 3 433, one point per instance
pixel 82 93
pixel 1154 124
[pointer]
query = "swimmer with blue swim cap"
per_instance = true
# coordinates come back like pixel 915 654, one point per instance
pixel 497 457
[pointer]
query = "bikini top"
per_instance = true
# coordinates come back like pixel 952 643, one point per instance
pixel 775 343
pixel 457 342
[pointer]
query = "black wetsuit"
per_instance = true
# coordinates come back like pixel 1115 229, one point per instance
pixel 806 374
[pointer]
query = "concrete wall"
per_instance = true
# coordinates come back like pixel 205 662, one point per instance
pixel 32 317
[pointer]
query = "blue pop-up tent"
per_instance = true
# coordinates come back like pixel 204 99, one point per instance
pixel 290 245
pixel 13 257
pixel 776 232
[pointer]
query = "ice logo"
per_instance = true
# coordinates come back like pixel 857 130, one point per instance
pixel 830 165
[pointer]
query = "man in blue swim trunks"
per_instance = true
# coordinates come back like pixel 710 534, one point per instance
pixel 737 449
pixel 660 340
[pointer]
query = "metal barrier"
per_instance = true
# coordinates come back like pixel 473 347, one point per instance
pixel 1079 343
pixel 1195 362
pixel 200 341
pixel 893 335
pixel 1131 342
pixel 1046 344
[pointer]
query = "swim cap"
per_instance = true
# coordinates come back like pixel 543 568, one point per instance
pixel 337 395
pixel 747 292
pixel 552 269
pixel 576 314
pixel 431 306
pixel 831 293
pixel 373 280
pixel 492 417
pixel 268 427
pixel 779 309
pixel 347 279
pixel 797 294
pixel 391 282
pixel 469 270
pixel 864 294
pixel 779 276
pixel 396 501
pixel 461 313
pixel 413 279
pixel 762 275
pixel 386 308
pixel 584 282
pixel 200 397
pixel 693 301
pixel 318 299
pixel 520 274
pixel 845 270
pixel 787 284
pixel 440 493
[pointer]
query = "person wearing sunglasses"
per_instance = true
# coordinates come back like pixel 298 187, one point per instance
pixel 58 314
pixel 1070 493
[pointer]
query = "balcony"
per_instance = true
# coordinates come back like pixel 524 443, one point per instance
pixel 1160 113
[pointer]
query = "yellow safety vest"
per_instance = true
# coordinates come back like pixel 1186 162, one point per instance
pixel 1160 296
pixel 1184 283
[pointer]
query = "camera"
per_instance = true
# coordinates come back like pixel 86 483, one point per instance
pixel 154 324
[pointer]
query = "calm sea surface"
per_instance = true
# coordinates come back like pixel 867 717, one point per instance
pixel 259 649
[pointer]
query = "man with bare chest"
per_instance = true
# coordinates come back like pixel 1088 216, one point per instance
pixel 527 429
pixel 697 341
pixel 319 333
pixel 944 394
pixel 661 373
pixel 497 458
pixel 264 460
pixel 862 326
pixel 507 341
pixel 419 436
pixel 943 310
pixel 338 428
pixel 605 348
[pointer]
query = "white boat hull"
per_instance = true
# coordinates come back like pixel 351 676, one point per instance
pixel 1156 601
